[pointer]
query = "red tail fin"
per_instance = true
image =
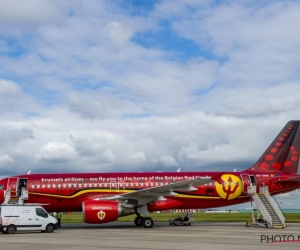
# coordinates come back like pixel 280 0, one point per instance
pixel 283 153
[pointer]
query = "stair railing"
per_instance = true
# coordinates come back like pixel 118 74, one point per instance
pixel 274 203
pixel 7 196
pixel 279 207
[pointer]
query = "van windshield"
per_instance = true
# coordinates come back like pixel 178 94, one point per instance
pixel 41 212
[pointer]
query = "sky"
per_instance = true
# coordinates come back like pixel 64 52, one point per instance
pixel 145 85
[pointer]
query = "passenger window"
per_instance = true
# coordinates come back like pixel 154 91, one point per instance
pixel 1 186
pixel 41 212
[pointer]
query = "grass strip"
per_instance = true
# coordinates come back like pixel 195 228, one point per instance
pixel 198 217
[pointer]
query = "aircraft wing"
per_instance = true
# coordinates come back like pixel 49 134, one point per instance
pixel 153 193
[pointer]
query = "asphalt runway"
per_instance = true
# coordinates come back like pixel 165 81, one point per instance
pixel 162 236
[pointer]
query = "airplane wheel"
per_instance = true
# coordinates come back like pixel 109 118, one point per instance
pixel 138 221
pixel 148 222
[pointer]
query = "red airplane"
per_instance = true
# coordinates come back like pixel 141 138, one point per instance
pixel 103 197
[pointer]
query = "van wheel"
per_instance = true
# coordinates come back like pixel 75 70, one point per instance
pixel 50 228
pixel 11 229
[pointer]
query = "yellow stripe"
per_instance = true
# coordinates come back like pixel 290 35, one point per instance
pixel 80 193
pixel 123 191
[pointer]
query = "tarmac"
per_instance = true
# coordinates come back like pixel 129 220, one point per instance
pixel 125 235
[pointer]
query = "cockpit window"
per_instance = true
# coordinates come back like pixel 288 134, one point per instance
pixel 1 186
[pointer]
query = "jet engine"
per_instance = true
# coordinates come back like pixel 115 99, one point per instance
pixel 98 212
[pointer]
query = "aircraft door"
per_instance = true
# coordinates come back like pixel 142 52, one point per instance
pixel 253 180
pixel 253 183
pixel 12 184
pixel 249 183
pixel 246 182
pixel 22 189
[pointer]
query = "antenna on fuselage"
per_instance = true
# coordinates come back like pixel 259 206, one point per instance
pixel 29 172
pixel 178 170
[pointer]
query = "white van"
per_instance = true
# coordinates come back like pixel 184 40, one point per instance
pixel 26 217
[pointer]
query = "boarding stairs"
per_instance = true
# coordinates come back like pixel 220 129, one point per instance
pixel 15 200
pixel 268 208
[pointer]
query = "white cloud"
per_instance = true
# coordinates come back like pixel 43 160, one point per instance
pixel 117 33
pixel 137 157
pixel 10 95
pixel 254 42
pixel 56 152
pixel 168 161
pixel 17 16
pixel 5 159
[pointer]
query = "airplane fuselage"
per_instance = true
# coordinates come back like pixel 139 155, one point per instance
pixel 67 192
